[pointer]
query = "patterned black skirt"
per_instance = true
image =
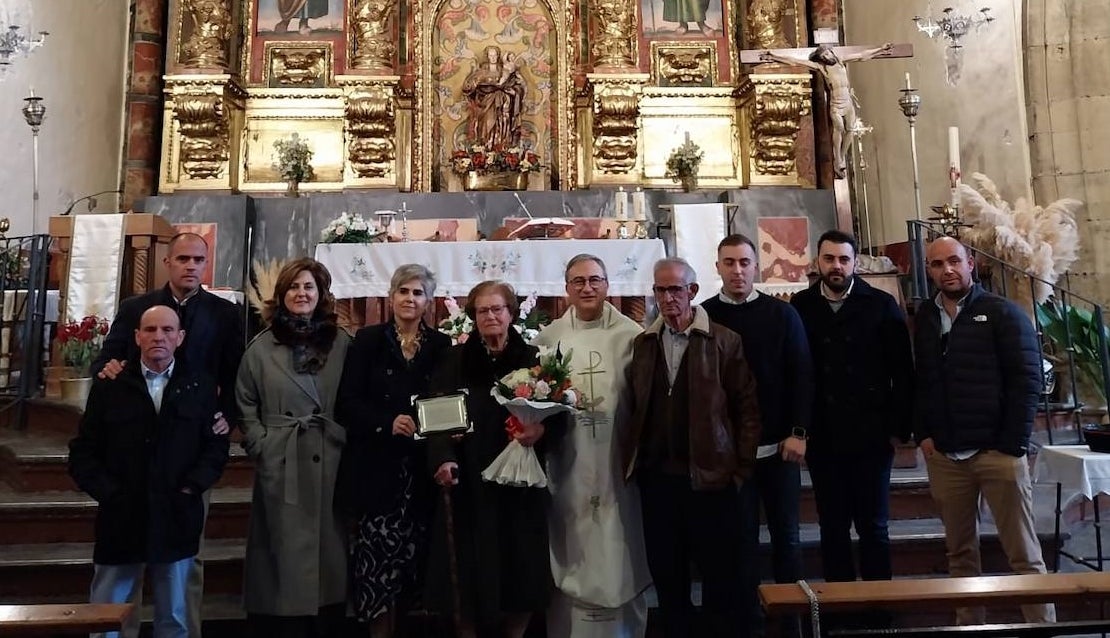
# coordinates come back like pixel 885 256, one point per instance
pixel 388 555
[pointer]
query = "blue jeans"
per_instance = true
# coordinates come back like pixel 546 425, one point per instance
pixel 777 484
pixel 852 489
pixel 124 584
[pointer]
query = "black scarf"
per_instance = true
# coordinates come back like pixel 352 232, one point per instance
pixel 310 339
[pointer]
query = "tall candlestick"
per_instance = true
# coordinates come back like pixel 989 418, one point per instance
pixel 639 205
pixel 954 175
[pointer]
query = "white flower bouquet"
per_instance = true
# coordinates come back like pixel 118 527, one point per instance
pixel 530 395
pixel 349 229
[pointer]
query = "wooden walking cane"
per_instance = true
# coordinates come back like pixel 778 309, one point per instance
pixel 452 557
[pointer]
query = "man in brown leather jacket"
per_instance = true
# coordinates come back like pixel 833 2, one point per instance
pixel 690 427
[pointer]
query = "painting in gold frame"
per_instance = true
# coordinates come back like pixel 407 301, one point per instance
pixel 295 21
pixel 690 21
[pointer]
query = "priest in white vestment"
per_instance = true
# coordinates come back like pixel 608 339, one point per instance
pixel 597 542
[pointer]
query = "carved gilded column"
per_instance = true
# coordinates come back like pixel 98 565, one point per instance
pixel 204 32
pixel 779 102
pixel 201 132
pixel 371 129
pixel 614 34
pixel 615 114
pixel 371 39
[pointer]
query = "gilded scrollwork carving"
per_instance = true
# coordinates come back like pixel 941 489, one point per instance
pixel 616 109
pixel 207 44
pixel 686 66
pixel 766 24
pixel 372 39
pixel 203 125
pixel 614 34
pixel 776 114
pixel 371 130
pixel 298 67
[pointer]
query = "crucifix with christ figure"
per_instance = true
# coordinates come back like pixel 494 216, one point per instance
pixel 829 62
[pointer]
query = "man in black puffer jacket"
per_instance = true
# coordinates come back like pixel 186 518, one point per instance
pixel 978 378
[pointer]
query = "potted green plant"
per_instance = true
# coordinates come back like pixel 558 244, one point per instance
pixel 293 163
pixel 683 164
pixel 1059 322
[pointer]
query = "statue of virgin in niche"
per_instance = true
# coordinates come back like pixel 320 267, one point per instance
pixel 495 97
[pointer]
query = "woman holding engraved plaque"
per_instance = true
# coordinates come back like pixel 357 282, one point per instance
pixel 499 531
pixel 382 477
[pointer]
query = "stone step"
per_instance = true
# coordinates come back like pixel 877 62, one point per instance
pixel 35 571
pixel 37 462
pixel 65 569
pixel 68 516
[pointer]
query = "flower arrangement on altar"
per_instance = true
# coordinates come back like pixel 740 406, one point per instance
pixel 531 395
pixel 294 159
pixel 80 341
pixel 684 161
pixel 483 160
pixel 348 229
pixel 457 325
pixel 530 320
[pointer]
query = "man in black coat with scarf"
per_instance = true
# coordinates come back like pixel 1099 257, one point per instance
pixel 145 450
pixel 863 371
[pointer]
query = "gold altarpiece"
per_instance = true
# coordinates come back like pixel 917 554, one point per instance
pixel 375 87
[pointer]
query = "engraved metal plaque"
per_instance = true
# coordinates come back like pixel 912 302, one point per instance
pixel 441 415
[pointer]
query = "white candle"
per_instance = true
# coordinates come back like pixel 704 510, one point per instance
pixel 32 91
pixel 639 205
pixel 621 204
pixel 908 87
pixel 954 174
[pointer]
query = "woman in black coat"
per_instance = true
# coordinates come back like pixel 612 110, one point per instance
pixel 382 477
pixel 500 532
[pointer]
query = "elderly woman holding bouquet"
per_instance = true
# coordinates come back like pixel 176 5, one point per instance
pixel 295 580
pixel 382 477
pixel 500 531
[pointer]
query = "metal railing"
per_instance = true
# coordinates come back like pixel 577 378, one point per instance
pixel 1071 329
pixel 24 263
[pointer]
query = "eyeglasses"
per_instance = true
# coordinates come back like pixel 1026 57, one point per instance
pixel 673 291
pixel 488 310
pixel 580 282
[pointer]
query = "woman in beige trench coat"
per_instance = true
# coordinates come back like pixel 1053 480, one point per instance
pixel 295 580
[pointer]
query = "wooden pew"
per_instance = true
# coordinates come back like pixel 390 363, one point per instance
pixel 39 620
pixel 934 594
pixel 938 592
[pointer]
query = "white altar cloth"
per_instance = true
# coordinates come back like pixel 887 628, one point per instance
pixel 1077 469
pixel 536 266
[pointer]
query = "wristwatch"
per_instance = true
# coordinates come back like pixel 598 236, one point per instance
pixel 799 433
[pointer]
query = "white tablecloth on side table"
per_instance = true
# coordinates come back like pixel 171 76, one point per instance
pixel 1078 470
pixel 536 266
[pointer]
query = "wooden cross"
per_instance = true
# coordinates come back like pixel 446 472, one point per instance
pixel 829 62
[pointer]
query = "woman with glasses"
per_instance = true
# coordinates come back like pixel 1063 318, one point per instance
pixel 383 482
pixel 500 532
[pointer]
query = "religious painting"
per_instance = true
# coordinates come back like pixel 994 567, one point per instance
pixel 208 232
pixel 687 22
pixel 493 74
pixel 301 21
pixel 783 249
